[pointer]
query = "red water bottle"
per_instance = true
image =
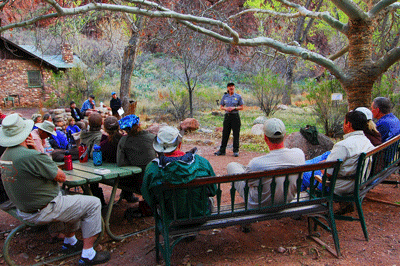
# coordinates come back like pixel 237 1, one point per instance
pixel 68 161
pixel 83 153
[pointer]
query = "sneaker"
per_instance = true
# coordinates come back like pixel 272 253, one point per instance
pixel 101 257
pixel 69 249
pixel 129 197
pixel 219 153
pixel 236 154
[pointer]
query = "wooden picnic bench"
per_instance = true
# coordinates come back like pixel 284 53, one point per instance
pixel 316 204
pixel 373 168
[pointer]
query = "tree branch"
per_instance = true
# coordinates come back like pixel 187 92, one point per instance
pixel 339 53
pixel 350 9
pixel 387 60
pixel 380 6
pixel 297 51
pixel 302 11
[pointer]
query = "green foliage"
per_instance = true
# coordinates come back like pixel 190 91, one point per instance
pixel 330 113
pixel 175 101
pixel 268 89
pixel 52 102
pixel 388 86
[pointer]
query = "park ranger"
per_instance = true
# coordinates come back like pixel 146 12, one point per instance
pixel 231 103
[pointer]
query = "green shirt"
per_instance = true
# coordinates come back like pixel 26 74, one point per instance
pixel 28 178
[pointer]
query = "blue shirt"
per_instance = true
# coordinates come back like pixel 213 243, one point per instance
pixel 389 126
pixel 87 105
pixel 233 100
pixel 73 129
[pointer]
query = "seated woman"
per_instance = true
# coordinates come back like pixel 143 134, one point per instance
pixel 109 141
pixel 136 149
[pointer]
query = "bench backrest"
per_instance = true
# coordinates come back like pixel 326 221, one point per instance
pixel 377 164
pixel 167 194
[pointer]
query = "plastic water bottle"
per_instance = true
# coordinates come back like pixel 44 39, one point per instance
pixel 83 153
pixel 97 155
pixel 68 161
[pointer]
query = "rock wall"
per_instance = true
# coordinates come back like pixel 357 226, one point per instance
pixel 14 80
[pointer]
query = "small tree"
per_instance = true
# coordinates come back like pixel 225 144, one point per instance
pixel 269 90
pixel 330 114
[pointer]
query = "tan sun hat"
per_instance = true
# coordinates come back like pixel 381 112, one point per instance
pixel 47 126
pixel 14 130
pixel 274 128
pixel 167 139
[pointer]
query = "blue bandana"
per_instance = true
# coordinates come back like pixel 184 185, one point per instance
pixel 128 121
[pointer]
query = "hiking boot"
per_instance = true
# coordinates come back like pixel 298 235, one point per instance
pixel 235 154
pixel 219 153
pixel 345 207
pixel 101 257
pixel 69 249
pixel 128 196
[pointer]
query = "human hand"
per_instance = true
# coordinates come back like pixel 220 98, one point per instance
pixel 30 143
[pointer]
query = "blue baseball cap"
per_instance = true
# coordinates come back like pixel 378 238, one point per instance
pixel 112 93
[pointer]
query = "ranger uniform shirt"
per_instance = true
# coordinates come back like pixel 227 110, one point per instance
pixel 234 100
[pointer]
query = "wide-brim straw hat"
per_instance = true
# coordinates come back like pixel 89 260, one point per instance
pixel 48 127
pixel 167 139
pixel 14 130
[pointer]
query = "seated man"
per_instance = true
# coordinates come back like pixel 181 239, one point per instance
pixel 31 178
pixel 388 124
pixel 41 134
pixel 88 105
pixel 177 167
pixel 278 157
pixel 349 149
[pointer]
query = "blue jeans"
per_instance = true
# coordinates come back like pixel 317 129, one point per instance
pixel 307 175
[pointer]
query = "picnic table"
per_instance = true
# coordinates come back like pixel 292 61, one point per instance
pixel 84 174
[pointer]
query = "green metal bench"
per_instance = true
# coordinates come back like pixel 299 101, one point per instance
pixel 317 205
pixel 8 99
pixel 373 168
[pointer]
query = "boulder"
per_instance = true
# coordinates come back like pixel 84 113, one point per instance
pixel 296 140
pixel 189 124
pixel 219 129
pixel 59 111
pixel 282 107
pixel 154 128
pixel 205 130
pixel 260 120
pixel 257 129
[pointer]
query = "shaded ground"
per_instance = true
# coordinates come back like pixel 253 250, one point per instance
pixel 230 246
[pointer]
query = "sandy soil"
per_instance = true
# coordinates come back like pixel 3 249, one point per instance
pixel 230 246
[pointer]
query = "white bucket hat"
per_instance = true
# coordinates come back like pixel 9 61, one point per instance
pixel 47 126
pixel 14 130
pixel 167 139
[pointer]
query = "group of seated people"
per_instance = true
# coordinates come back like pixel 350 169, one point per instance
pixel 26 165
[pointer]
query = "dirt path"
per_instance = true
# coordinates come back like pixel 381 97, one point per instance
pixel 230 246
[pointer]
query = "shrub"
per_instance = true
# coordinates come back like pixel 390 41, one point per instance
pixel 329 113
pixel 268 90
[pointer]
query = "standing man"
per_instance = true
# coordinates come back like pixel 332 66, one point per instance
pixel 115 104
pixel 88 105
pixel 30 179
pixel 388 124
pixel 231 102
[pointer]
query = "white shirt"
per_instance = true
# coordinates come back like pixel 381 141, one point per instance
pixel 280 158
pixel 348 150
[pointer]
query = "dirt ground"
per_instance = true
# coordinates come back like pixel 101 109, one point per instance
pixel 230 246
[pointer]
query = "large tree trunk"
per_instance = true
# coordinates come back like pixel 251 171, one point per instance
pixel 128 64
pixel 360 73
